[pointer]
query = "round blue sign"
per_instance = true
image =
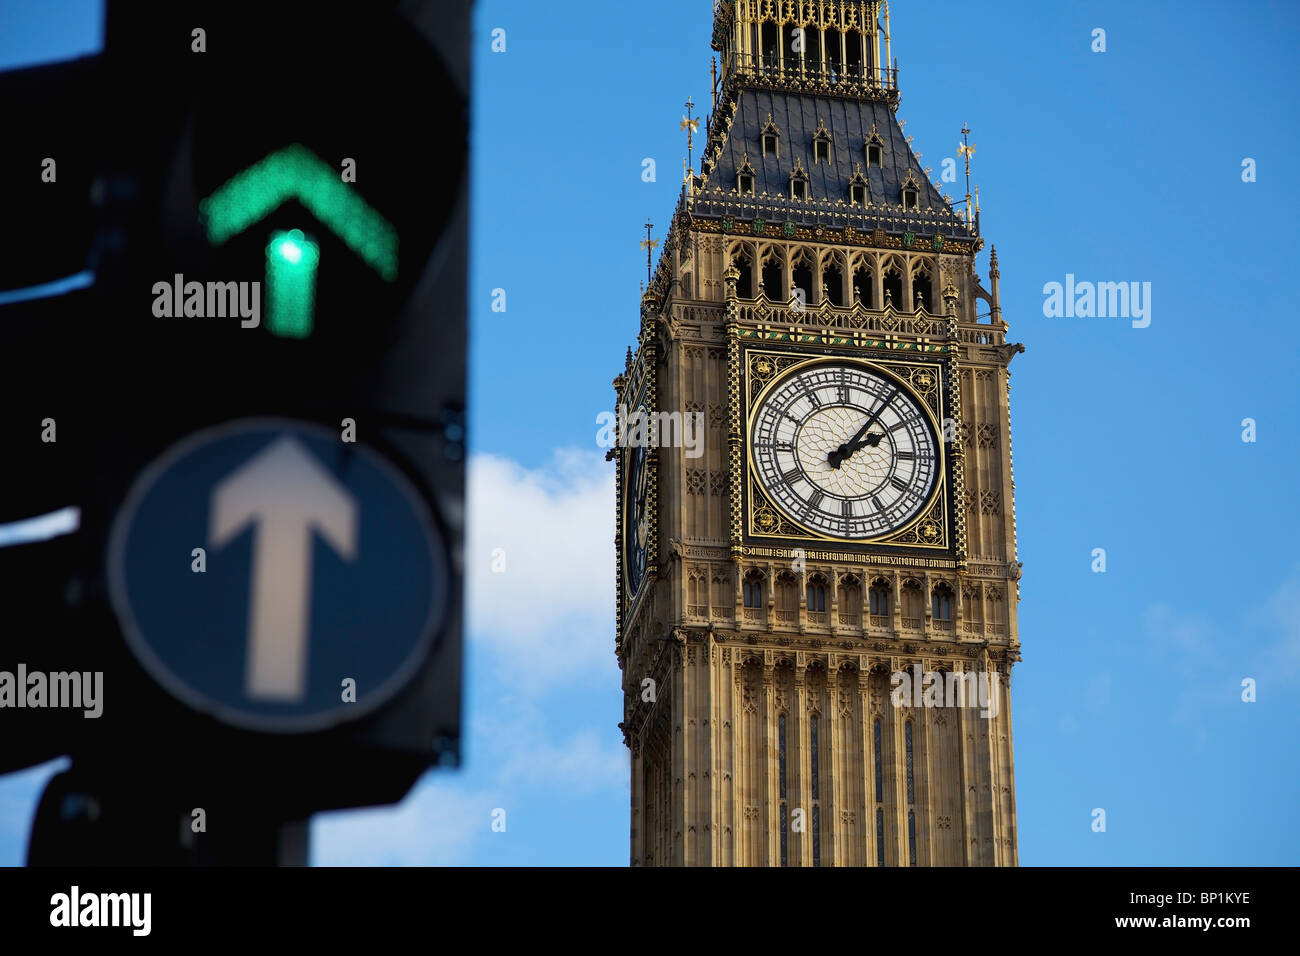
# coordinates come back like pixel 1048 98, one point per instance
pixel 277 578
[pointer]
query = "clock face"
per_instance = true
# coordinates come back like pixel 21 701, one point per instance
pixel 636 521
pixel 844 451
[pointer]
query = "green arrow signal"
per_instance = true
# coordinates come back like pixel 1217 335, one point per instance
pixel 295 172
pixel 291 260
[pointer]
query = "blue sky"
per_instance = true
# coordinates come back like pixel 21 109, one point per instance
pixel 1117 166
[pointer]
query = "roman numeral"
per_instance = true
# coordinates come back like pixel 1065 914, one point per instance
pixel 906 456
pixel 791 476
pixel 815 502
pixel 814 400
pixel 900 485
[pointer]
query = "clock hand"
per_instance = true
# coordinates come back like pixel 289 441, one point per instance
pixel 842 454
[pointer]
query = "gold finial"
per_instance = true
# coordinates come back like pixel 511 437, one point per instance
pixel 691 125
pixel 889 53
pixel 649 245
pixel 967 150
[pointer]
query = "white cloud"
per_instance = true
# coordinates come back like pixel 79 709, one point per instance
pixel 545 629
pixel 1283 655
pixel 587 761
pixel 1188 633
pixel 551 611
pixel 445 818
pixel 436 825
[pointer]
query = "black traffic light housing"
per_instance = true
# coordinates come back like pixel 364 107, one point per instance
pixel 378 97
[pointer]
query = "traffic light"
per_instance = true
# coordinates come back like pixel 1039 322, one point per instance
pixel 46 173
pixel 270 409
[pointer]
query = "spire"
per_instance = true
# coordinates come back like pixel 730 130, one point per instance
pixel 996 304
pixel 691 125
pixel 967 151
pixel 648 245
pixel 888 42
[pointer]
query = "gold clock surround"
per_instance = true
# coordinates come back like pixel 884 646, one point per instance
pixel 923 381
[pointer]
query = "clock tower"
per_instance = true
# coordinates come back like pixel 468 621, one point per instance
pixel 817 568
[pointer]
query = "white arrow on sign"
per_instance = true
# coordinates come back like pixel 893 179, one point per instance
pixel 284 493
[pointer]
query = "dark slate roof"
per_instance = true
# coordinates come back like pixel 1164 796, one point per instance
pixel 849 122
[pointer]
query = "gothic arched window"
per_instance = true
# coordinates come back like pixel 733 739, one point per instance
pixel 880 836
pixel 853 52
pixel 770 40
pixel 911 191
pixel 774 277
pixel 787 597
pixel 857 187
pixel 802 275
pixel 879 598
pixel 723 597
pixel 893 284
pixel 815 774
pixel 922 290
pixel 912 604
pixel 812 756
pixel 831 43
pixel 880 792
pixel 875 149
pixel 941 603
pixel 850 601
pixel 907 736
pixel 817 593
pixel 821 144
pixel 744 264
pixel 832 284
pixel 753 588
pixel 745 178
pixel 785 851
pixel 771 137
pixel 864 287
pixel 798 186
pixel 780 733
pixel 879 761
pixel 911 837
